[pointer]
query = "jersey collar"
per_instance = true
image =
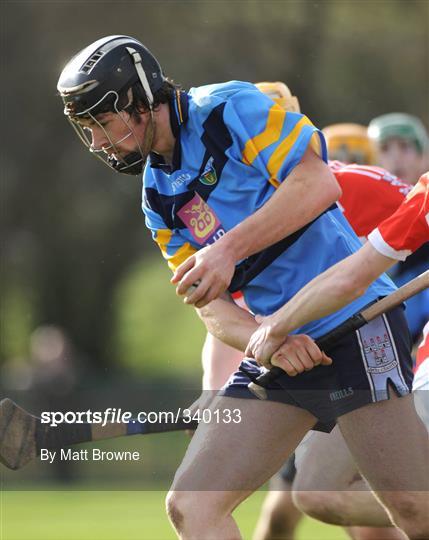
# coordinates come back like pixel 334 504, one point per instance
pixel 179 108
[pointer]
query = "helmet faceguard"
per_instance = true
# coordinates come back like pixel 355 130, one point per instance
pixel 131 163
pixel 98 80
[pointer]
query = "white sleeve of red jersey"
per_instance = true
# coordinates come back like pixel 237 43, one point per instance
pixel 408 228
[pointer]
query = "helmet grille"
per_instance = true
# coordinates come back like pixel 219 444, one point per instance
pixel 91 62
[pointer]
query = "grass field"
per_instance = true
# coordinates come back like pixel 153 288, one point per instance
pixel 114 515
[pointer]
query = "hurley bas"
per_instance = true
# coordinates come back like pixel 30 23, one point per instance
pixel 94 454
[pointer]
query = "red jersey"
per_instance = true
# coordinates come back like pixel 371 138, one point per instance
pixel 370 195
pixel 408 228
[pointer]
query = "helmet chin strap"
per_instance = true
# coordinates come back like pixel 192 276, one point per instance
pixel 134 162
pixel 142 75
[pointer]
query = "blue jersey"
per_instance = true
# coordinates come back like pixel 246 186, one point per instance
pixel 234 146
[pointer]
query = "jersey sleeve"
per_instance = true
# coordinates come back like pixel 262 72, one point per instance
pixel 269 138
pixel 174 248
pixel 408 228
pixel 369 195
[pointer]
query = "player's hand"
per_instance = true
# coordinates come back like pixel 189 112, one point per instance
pixel 264 342
pixel 299 353
pixel 205 275
pixel 294 354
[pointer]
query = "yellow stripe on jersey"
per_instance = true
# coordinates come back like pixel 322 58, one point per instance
pixel 274 182
pixel 277 158
pixel 163 237
pixel 270 135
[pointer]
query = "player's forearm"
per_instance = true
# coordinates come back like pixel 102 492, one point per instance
pixel 228 322
pixel 331 290
pixel 297 201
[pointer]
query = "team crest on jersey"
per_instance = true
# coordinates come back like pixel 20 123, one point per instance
pixel 200 220
pixel 209 176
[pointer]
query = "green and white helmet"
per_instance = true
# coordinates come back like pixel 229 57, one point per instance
pixel 401 126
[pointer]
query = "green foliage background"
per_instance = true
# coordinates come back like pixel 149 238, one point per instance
pixel 74 245
pixel 155 333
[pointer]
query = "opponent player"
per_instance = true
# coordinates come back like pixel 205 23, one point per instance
pixel 326 488
pixel 227 147
pixel 403 148
pixel 402 144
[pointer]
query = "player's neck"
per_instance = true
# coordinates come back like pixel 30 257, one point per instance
pixel 164 139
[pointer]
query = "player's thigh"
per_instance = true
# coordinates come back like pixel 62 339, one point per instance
pixel 389 444
pixel 324 463
pixel 241 456
pixel 219 361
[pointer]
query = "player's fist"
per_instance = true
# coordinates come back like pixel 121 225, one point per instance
pixel 299 353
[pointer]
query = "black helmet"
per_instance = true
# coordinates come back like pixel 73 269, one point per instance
pixel 111 64
pixel 95 78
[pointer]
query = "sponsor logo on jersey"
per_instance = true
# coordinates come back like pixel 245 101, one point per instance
pixel 201 220
pixel 181 179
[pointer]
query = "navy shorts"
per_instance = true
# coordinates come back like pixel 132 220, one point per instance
pixel 365 365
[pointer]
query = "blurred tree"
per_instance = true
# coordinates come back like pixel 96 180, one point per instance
pixel 156 334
